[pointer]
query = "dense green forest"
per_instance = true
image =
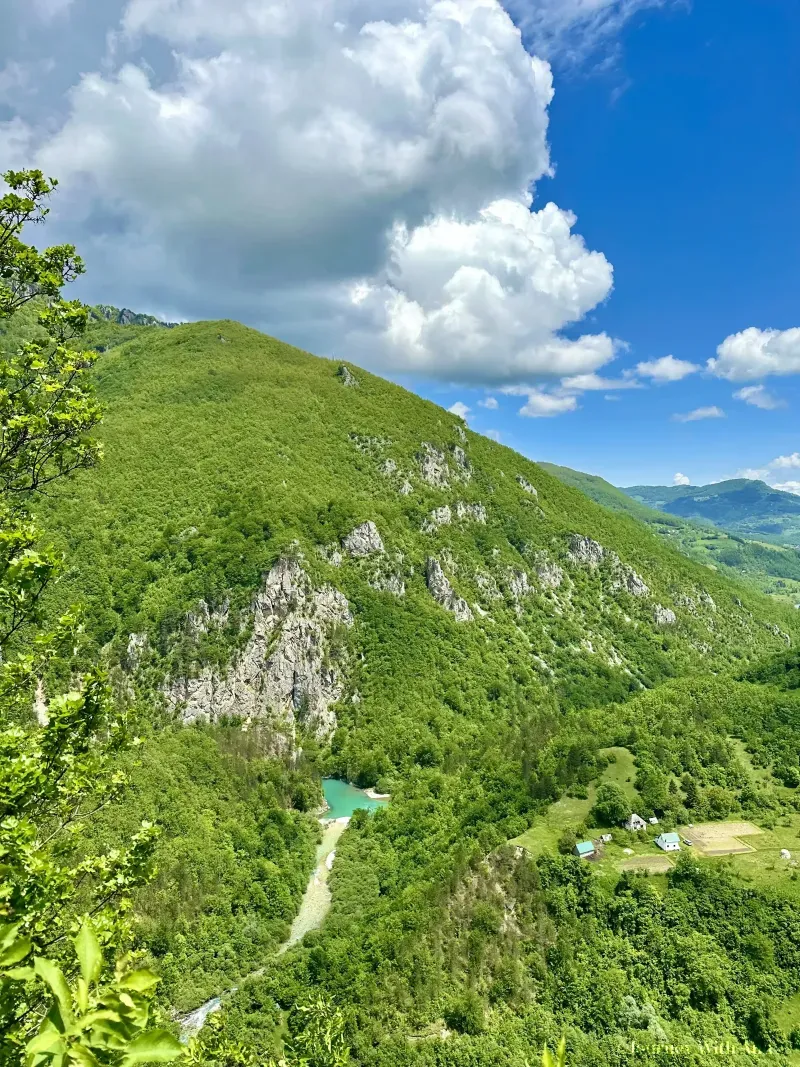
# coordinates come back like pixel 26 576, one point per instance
pixel 772 567
pixel 292 568
pixel 232 860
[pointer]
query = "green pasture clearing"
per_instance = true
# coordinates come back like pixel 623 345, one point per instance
pixel 622 771
pixel 764 864
pixel 787 1016
pixel 760 775
pixel 652 864
pixel 570 812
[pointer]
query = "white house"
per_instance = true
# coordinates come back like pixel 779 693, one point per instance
pixel 653 820
pixel 605 838
pixel 669 842
pixel 635 822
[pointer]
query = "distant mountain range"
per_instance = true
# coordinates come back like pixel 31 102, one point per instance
pixel 712 525
pixel 741 505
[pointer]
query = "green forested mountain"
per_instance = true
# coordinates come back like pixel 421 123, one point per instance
pixel 773 568
pixel 295 568
pixel 744 506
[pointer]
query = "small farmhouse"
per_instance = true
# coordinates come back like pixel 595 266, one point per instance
pixel 635 822
pixel 606 838
pixel 653 820
pixel 669 842
pixel 584 849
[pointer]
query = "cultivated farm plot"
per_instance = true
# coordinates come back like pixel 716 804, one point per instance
pixel 721 838
pixel 651 864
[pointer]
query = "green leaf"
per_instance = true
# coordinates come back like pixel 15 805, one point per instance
pixel 95 1018
pixel 83 1056
pixel 156 1046
pixel 47 1040
pixel 52 976
pixel 20 974
pixel 8 932
pixel 15 952
pixel 90 955
pixel 140 981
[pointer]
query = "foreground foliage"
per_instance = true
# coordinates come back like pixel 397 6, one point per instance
pixel 56 774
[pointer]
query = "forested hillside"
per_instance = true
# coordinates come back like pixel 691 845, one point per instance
pixel 483 582
pixel 292 567
pixel 773 568
pixel 461 629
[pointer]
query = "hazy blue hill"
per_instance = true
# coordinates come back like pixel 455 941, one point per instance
pixel 740 505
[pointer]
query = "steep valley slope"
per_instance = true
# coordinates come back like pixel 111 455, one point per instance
pixel 288 548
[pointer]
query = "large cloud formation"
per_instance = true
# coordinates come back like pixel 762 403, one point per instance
pixel 755 353
pixel 353 175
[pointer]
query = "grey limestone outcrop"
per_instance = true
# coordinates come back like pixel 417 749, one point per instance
pixel 364 540
pixel 433 466
pixel 442 516
pixel 443 593
pixel 347 377
pixel 585 551
pixel 474 512
pixel 548 572
pixel 285 673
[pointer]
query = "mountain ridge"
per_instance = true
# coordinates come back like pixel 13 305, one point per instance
pixel 773 568
pixel 741 505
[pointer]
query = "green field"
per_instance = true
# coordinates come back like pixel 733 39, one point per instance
pixel 570 812
pixel 788 1018
pixel 762 866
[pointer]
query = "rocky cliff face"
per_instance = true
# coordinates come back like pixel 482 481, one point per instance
pixel 444 594
pixel 291 669
pixel 364 540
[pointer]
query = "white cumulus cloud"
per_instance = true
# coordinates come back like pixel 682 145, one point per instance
pixel 588 383
pixel 666 369
pixel 541 404
pixel 460 409
pixel 768 474
pixel 785 462
pixel 482 300
pixel 353 176
pixel 760 397
pixel 755 353
pixel 680 479
pixel 490 403
pixel 712 412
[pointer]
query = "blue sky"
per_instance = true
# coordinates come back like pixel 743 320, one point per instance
pixel 682 163
pixel 576 218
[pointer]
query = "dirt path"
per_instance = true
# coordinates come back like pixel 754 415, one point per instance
pixel 317 897
pixel 314 906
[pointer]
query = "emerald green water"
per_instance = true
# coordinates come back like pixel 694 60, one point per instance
pixel 343 799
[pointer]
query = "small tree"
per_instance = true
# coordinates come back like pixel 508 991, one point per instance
pixel 611 807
